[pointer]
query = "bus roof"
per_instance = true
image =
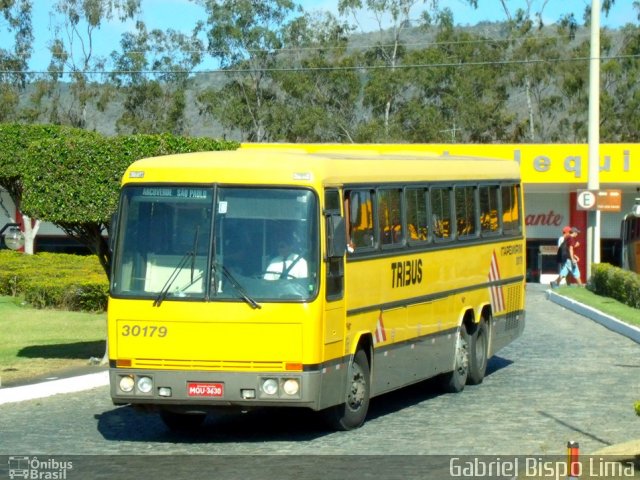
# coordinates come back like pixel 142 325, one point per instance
pixel 299 166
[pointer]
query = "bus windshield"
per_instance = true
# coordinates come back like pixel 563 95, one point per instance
pixel 217 244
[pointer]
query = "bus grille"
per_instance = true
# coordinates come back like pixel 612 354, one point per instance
pixel 513 296
pixel 214 365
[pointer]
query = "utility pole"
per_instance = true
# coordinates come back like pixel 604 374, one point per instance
pixel 593 179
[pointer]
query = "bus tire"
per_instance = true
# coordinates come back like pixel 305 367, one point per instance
pixel 454 381
pixel 478 351
pixel 182 422
pixel 352 413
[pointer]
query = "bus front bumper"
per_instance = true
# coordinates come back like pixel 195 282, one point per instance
pixel 209 390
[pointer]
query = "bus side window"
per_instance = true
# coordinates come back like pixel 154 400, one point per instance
pixel 417 216
pixel 390 227
pixel 489 221
pixel 511 209
pixel 465 199
pixel 441 208
pixel 347 221
pixel 360 227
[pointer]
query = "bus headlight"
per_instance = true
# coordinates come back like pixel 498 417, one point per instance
pixel 126 383
pixel 145 384
pixel 270 386
pixel 291 386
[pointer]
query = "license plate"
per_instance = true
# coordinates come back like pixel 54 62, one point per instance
pixel 195 389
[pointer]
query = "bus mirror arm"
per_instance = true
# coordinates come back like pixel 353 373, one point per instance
pixel 336 236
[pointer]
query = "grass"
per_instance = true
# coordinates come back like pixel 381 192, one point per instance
pixel 606 305
pixel 36 342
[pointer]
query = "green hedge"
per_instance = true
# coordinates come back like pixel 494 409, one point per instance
pixel 54 280
pixel 613 282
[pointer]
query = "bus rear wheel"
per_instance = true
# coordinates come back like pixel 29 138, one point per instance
pixel 478 351
pixel 454 381
pixel 352 413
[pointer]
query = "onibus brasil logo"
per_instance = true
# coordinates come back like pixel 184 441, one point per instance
pixel 35 468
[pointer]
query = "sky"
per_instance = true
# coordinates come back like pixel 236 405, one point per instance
pixel 182 15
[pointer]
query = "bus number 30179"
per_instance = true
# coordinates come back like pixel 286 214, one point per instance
pixel 146 331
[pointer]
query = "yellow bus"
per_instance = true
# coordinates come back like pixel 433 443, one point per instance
pixel 314 277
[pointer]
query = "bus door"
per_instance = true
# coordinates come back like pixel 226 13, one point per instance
pixel 335 247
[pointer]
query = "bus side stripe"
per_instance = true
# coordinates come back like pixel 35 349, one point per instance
pixel 380 334
pixel 433 296
pixel 495 291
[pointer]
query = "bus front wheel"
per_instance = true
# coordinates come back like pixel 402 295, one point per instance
pixel 352 413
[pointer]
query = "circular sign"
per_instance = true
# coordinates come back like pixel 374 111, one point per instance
pixel 586 200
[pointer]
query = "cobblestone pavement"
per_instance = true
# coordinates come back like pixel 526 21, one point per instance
pixel 566 378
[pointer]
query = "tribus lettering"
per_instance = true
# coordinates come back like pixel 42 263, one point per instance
pixel 406 273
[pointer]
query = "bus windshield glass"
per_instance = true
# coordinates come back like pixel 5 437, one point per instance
pixel 218 244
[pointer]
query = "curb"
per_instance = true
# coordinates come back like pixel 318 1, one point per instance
pixel 53 387
pixel 622 452
pixel 629 331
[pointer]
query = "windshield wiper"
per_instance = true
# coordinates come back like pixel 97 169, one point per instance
pixel 172 278
pixel 238 288
pixel 164 291
pixel 195 249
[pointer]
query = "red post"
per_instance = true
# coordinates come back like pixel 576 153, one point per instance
pixel 573 462
pixel 578 218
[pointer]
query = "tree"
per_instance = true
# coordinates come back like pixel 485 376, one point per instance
pixel 318 91
pixel 245 37
pixel 620 93
pixel 460 90
pixel 73 56
pixel 573 80
pixel 534 53
pixel 16 18
pixel 74 181
pixel 536 68
pixel 15 140
pixel 385 84
pixel 157 104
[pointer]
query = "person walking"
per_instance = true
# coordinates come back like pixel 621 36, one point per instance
pixel 568 259
pixel 559 258
pixel 565 233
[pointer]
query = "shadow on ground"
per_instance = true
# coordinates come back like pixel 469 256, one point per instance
pixel 79 350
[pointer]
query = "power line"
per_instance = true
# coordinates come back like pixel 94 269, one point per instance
pixel 317 69
pixel 357 46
